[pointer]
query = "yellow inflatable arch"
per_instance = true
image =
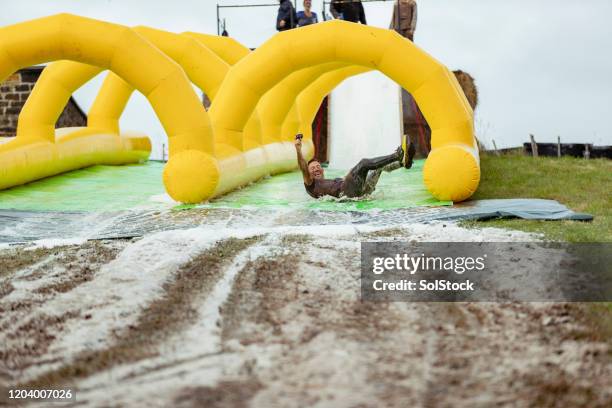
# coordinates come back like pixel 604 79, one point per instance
pixel 231 51
pixel 111 46
pixel 307 103
pixel 452 170
pixel 286 94
pixel 204 67
pixel 45 103
pixel 114 94
pixel 276 104
pixel 227 48
pixel 110 103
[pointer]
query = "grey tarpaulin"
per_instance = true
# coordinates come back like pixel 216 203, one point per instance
pixel 22 226
pixel 529 209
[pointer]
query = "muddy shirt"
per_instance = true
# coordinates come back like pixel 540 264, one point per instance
pixel 323 187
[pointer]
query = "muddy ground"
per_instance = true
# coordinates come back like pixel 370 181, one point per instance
pixel 273 318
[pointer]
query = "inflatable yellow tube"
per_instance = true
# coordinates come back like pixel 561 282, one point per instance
pixel 109 46
pixel 307 103
pixel 452 170
pixel 43 107
pixel 67 148
pixel 45 104
pixel 104 117
pixel 231 51
pixel 201 166
pixel 203 67
pixel 277 102
pixel 227 48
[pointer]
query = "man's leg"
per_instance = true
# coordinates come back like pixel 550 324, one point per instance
pixel 374 175
pixel 409 153
pixel 375 163
pixel 355 181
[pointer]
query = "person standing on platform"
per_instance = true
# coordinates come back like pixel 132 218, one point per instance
pixel 286 18
pixel 404 18
pixel 348 10
pixel 307 17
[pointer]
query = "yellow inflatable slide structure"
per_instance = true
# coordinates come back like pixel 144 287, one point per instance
pixel 257 106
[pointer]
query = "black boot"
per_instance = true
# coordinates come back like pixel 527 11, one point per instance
pixel 400 154
pixel 410 152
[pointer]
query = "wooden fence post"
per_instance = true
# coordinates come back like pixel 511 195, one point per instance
pixel 534 146
pixel 495 147
pixel 558 146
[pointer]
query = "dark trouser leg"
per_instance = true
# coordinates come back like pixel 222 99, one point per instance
pixel 374 175
pixel 355 181
pixel 366 165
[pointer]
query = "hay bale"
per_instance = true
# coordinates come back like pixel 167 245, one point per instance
pixel 469 87
pixel 415 124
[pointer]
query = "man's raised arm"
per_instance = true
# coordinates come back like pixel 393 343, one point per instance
pixel 301 161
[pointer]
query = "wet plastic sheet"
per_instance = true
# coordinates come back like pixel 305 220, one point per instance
pixel 399 189
pixel 116 188
pixel 22 226
pixel 128 201
pixel 527 208
pixel 97 188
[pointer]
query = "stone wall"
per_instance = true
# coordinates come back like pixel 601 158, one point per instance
pixel 14 92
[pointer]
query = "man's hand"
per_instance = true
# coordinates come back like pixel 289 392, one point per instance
pixel 301 161
pixel 281 24
pixel 298 141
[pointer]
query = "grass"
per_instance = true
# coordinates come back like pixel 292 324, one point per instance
pixel 582 185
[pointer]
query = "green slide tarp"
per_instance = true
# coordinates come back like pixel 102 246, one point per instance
pixel 97 188
pixel 399 189
pixel 116 188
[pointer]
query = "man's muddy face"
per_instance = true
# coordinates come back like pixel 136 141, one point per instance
pixel 315 170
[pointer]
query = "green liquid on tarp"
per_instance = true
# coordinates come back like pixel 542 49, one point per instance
pixel 116 188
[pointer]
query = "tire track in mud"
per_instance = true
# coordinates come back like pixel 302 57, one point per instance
pixel 260 287
pixel 501 354
pixel 192 355
pixel 309 341
pixel 235 394
pixel 293 332
pixel 248 317
pixel 35 277
pixel 296 323
pixel 167 314
pixel 13 260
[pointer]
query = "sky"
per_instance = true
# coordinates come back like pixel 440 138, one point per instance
pixel 542 67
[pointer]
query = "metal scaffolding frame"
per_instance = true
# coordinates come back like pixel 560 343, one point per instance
pixel 323 4
pixel 219 7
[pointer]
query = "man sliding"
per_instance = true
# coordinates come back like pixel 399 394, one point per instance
pixel 360 181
